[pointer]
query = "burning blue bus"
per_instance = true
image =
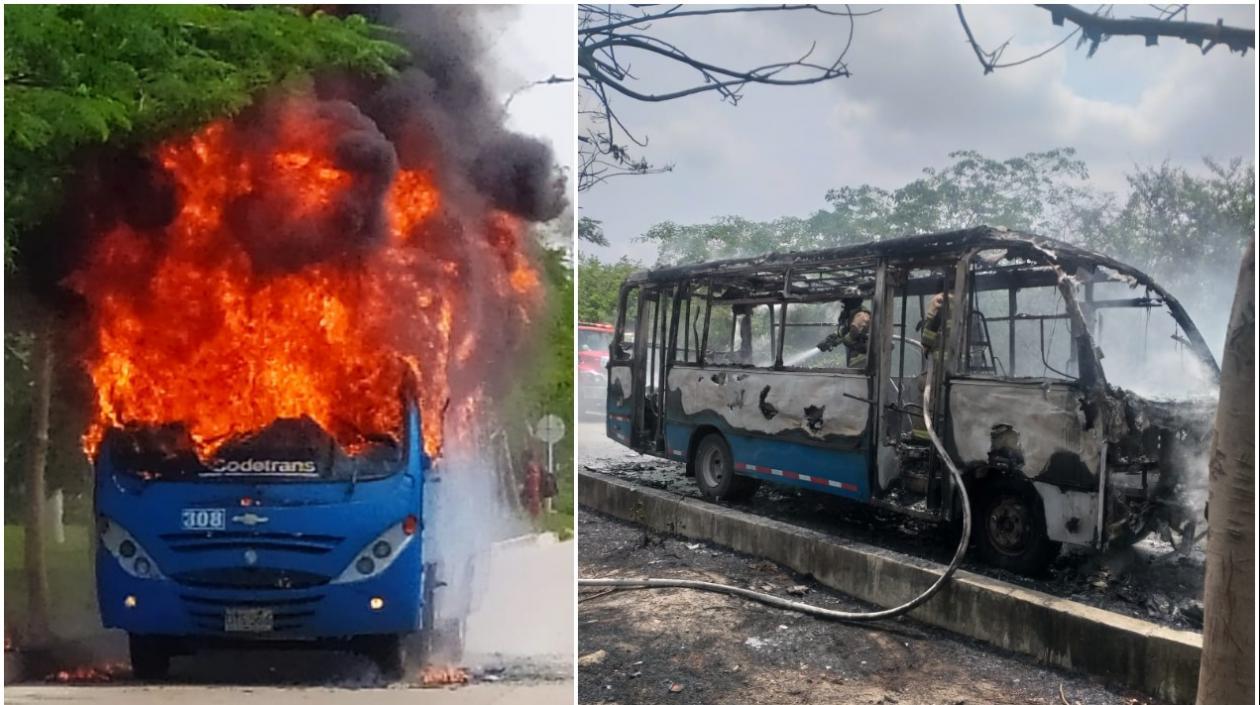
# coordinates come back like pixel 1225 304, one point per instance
pixel 281 539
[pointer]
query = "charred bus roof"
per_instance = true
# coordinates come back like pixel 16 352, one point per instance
pixel 1073 260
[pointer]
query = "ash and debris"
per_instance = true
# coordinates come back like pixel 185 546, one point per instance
pixel 684 646
pixel 1148 580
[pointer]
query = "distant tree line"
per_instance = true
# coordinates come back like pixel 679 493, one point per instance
pixel 1172 223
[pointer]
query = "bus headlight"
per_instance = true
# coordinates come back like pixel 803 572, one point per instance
pixel 131 556
pixel 380 552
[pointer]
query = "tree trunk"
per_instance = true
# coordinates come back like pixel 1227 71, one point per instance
pixel 1226 675
pixel 37 609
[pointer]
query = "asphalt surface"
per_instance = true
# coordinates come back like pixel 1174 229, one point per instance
pixel 685 647
pixel 1147 580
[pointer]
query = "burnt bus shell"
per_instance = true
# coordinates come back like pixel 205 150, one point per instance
pixel 1105 461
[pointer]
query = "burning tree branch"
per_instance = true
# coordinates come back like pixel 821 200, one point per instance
pixel 610 38
pixel 1096 27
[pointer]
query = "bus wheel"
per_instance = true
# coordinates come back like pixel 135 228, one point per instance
pixel 389 654
pixel 150 658
pixel 715 471
pixel 1011 528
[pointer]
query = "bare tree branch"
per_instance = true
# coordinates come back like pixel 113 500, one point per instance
pixel 1201 34
pixel 542 82
pixel 610 37
pixel 989 59
pixel 1093 28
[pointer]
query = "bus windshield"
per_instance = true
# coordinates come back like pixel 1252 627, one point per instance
pixel 286 450
pixel 1144 348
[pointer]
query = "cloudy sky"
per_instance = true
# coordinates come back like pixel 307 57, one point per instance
pixel 916 94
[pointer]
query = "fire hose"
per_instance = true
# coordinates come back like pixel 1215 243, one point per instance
pixel 814 610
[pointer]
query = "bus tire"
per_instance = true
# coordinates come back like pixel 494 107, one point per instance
pixel 389 653
pixel 715 471
pixel 1010 527
pixel 150 657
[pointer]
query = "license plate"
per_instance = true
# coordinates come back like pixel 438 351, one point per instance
pixel 248 620
pixel 202 519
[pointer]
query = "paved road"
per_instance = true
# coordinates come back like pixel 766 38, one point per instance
pixel 533 693
pixel 594 443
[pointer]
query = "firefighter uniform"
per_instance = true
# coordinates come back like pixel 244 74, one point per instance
pixel 853 333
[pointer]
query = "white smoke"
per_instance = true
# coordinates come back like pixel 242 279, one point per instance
pixel 512 589
pixel 466 513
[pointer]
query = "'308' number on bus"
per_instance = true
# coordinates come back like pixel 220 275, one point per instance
pixel 202 519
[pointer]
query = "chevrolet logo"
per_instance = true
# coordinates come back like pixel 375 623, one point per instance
pixel 250 519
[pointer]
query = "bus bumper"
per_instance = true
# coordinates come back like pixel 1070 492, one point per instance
pixel 164 607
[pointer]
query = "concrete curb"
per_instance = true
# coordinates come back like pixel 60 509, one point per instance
pixel 1156 660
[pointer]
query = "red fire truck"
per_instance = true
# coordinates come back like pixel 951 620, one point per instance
pixel 593 341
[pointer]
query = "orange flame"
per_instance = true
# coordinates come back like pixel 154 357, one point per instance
pixel 439 676
pixel 188 329
pixel 104 673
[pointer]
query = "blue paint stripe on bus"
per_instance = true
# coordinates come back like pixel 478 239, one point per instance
pixel 840 472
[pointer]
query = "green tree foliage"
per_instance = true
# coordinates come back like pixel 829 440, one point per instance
pixel 1041 191
pixel 1173 219
pixel 592 231
pixel 733 236
pixel 1024 193
pixel 78 75
pixel 598 284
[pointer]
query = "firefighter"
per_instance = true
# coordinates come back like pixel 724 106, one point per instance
pixel 852 331
pixel 933 327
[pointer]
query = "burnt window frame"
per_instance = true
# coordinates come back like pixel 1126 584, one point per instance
pixel 619 329
pixel 1034 271
pixel 834 284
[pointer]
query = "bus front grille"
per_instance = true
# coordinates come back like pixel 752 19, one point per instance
pixel 250 578
pixel 193 542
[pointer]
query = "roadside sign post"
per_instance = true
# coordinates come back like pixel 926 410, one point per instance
pixel 549 430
